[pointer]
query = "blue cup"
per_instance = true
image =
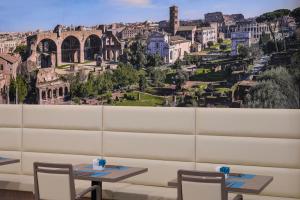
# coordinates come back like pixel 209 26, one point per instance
pixel 225 170
pixel 102 162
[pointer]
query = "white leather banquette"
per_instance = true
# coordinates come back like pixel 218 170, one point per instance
pixel 164 140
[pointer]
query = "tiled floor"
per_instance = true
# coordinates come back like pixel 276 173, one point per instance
pixel 13 195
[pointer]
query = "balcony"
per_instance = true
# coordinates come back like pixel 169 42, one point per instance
pixel 164 140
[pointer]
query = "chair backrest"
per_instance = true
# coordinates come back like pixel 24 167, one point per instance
pixel 195 185
pixel 53 181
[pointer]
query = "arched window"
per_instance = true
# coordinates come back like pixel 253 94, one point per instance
pixel 70 50
pixel 43 95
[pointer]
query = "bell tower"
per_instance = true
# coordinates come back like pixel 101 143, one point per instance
pixel 174 19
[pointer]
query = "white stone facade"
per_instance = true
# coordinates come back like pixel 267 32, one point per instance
pixel 170 48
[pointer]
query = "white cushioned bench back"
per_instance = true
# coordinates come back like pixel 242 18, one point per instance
pixel 10 136
pixel 262 141
pixel 161 139
pixel 51 133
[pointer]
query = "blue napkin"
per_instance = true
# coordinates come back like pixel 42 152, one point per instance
pixel 95 174
pixel 117 168
pixel 99 174
pixel 234 184
pixel 108 168
pixel 244 176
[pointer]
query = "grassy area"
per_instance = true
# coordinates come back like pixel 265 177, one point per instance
pixel 202 86
pixel 202 71
pixel 216 46
pixel 146 100
pixel 63 66
pixel 223 90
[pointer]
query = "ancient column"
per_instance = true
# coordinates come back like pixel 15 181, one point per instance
pixel 81 53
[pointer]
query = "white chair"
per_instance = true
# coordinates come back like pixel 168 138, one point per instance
pixel 56 182
pixel 196 185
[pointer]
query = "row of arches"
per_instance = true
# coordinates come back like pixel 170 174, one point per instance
pixel 70 50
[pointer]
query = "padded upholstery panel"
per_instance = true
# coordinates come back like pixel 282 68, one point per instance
pixel 265 152
pixel 268 123
pixel 149 146
pixel 149 120
pixel 63 117
pixel 62 141
pixel 159 172
pixel 11 168
pixel 29 158
pixel 16 182
pixel 10 139
pixel 11 116
pixel 286 182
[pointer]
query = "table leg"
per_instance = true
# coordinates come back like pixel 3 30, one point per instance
pixel 94 193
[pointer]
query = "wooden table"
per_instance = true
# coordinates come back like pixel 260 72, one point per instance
pixel 6 161
pixel 111 173
pixel 252 184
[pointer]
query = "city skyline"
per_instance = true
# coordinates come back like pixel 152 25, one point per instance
pixel 45 15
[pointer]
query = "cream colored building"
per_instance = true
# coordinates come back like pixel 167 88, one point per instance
pixel 7 46
pixel 206 34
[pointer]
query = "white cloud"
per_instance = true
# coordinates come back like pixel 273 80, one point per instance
pixel 139 3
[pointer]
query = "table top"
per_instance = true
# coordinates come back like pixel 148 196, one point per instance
pixel 242 183
pixel 111 173
pixel 6 161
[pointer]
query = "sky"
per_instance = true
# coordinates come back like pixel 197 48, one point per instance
pixel 30 15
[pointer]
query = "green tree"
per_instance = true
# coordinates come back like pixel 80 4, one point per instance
pixel 142 82
pixel 77 87
pixel 266 94
pixel 158 77
pixel 124 76
pixel 90 86
pixel 104 83
pixel 220 40
pixel 178 64
pixel 276 88
pixel 180 78
pixel 154 60
pixel 296 14
pixel 210 44
pixel 22 50
pixel 271 18
pixel 135 55
pixel 243 51
pixel 18 87
pixel 223 47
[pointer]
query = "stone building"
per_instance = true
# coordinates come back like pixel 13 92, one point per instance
pixel 249 25
pixel 214 17
pixel 7 46
pixel 131 31
pixel 8 69
pixel 239 38
pixel 112 47
pixel 174 20
pixel 170 48
pixel 188 32
pixel 205 35
pixel 51 88
pixel 73 45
